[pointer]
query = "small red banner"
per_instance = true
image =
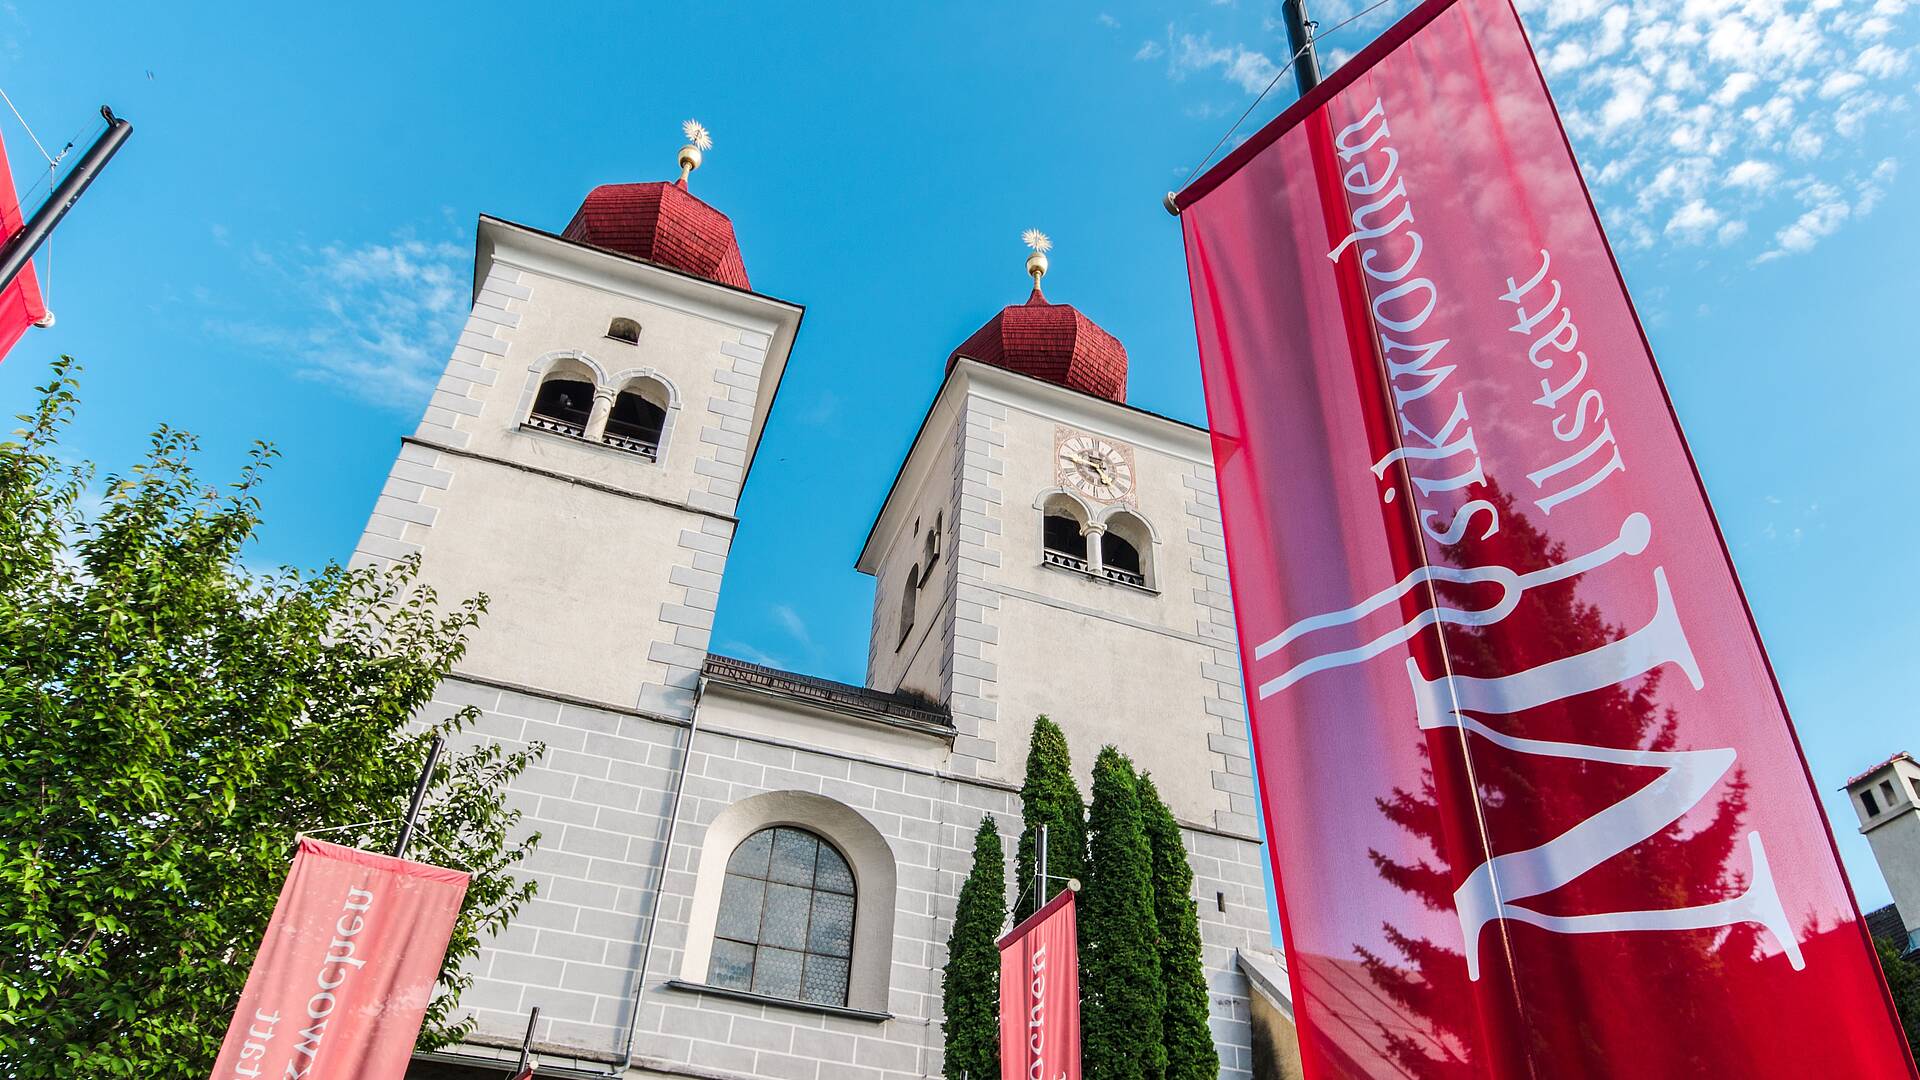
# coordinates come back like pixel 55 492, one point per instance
pixel 20 303
pixel 347 967
pixel 1040 995
pixel 1531 794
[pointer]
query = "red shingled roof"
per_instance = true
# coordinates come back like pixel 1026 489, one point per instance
pixel 662 223
pixel 1052 342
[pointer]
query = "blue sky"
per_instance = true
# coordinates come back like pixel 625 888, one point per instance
pixel 282 251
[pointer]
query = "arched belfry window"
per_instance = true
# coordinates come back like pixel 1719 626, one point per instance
pixel 785 924
pixel 639 418
pixel 1126 550
pixel 564 403
pixel 1063 538
pixel 624 330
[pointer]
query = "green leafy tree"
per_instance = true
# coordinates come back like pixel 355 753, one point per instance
pixel 1903 978
pixel 1121 996
pixel 1189 1038
pixel 1049 797
pixel 971 986
pixel 168 721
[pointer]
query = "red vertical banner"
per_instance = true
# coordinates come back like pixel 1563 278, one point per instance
pixel 1040 995
pixel 343 977
pixel 20 302
pixel 1532 797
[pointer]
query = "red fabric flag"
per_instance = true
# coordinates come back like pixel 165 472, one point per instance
pixel 20 302
pixel 342 981
pixel 1532 797
pixel 1040 995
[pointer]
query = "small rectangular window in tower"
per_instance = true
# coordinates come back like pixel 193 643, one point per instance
pixel 1220 900
pixel 624 330
pixel 1886 792
pixel 1866 800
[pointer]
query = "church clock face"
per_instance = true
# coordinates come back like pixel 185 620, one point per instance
pixel 1096 468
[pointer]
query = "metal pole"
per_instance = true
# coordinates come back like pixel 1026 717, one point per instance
pixel 526 1044
pixel 419 797
pixel 1040 881
pixel 19 250
pixel 1306 70
pixel 659 886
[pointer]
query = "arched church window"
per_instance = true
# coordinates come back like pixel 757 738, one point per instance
pixel 624 330
pixel 638 418
pixel 1124 550
pixel 785 924
pixel 564 403
pixel 908 596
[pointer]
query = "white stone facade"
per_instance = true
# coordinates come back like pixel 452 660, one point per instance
pixel 1884 799
pixel 603 570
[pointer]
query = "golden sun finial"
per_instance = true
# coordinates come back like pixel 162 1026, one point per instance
pixel 698 140
pixel 1036 262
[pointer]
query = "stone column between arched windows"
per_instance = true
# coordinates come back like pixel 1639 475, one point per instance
pixel 1095 532
pixel 596 429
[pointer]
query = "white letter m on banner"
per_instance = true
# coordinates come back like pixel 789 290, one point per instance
pixel 1494 889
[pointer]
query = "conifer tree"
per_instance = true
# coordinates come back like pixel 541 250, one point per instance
pixel 1121 996
pixel 1049 797
pixel 971 986
pixel 1184 1028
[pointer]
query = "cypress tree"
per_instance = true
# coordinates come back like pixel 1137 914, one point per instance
pixel 1049 797
pixel 1121 996
pixel 971 985
pixel 1189 1038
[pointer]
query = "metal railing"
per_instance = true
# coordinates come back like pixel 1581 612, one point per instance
pixel 1062 559
pixel 650 451
pixel 555 425
pixel 1125 577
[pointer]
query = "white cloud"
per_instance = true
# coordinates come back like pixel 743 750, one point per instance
pixel 1753 174
pixel 1736 85
pixel 1828 208
pixel 1820 221
pixel 1248 69
pixel 1846 82
pixel 1732 40
pixel 1149 49
pixel 793 624
pixel 377 320
pixel 1692 222
pixel 1107 21
pixel 1629 100
pixel 1699 121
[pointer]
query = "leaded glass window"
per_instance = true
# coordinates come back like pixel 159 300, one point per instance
pixel 785 927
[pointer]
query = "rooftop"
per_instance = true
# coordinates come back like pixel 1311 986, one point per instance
pixel 826 692
pixel 1885 924
pixel 1901 756
pixel 661 223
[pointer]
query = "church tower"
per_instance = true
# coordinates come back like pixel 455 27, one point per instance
pixel 751 874
pixel 1049 548
pixel 582 456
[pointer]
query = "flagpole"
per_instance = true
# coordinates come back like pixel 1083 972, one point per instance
pixel 526 1044
pixel 1304 61
pixel 17 251
pixel 1306 66
pixel 419 797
